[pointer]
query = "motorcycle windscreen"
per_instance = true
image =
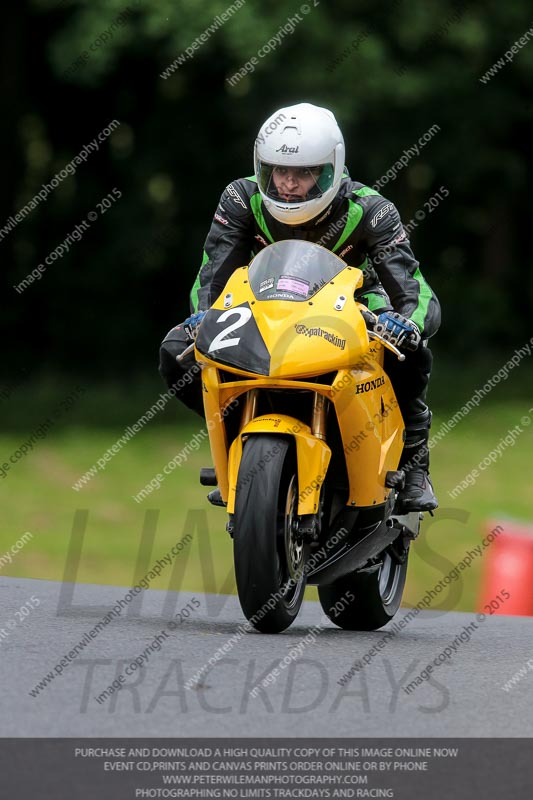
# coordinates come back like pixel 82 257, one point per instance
pixel 231 337
pixel 292 270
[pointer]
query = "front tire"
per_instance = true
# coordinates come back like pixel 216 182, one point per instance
pixel 269 555
pixel 368 599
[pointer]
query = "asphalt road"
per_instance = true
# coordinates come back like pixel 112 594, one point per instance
pixel 462 698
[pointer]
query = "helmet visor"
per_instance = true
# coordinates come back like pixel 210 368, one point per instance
pixel 288 184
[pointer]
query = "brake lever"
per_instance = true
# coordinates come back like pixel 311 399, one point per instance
pixel 185 353
pixel 370 319
pixel 387 344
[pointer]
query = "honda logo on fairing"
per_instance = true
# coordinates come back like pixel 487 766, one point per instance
pixel 361 388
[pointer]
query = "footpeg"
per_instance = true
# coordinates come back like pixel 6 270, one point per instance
pixel 208 477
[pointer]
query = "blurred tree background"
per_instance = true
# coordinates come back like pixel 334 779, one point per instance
pixel 105 305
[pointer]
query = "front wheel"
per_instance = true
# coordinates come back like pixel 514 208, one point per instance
pixel 369 598
pixel 269 553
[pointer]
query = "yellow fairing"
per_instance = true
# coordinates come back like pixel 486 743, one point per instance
pixel 370 423
pixel 338 335
pixel 312 455
pixel 372 429
pixel 369 419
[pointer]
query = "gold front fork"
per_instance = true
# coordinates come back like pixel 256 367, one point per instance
pixel 250 407
pixel 318 420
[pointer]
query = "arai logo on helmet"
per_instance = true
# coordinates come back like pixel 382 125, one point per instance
pixel 286 150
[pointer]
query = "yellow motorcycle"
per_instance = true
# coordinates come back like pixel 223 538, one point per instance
pixel 306 436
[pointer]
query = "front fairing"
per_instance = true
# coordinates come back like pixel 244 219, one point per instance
pixel 290 314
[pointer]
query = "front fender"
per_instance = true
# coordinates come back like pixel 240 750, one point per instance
pixel 312 456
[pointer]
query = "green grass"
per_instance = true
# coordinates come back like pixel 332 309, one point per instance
pixel 37 496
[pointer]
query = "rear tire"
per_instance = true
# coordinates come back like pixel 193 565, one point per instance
pixel 268 554
pixel 366 600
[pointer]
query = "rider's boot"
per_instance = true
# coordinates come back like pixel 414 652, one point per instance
pixel 417 494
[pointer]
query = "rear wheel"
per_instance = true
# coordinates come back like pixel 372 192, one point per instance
pixel 369 598
pixel 269 553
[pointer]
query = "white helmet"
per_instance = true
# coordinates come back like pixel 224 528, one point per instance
pixel 305 137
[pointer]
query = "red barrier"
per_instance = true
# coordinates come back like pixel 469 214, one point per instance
pixel 508 566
